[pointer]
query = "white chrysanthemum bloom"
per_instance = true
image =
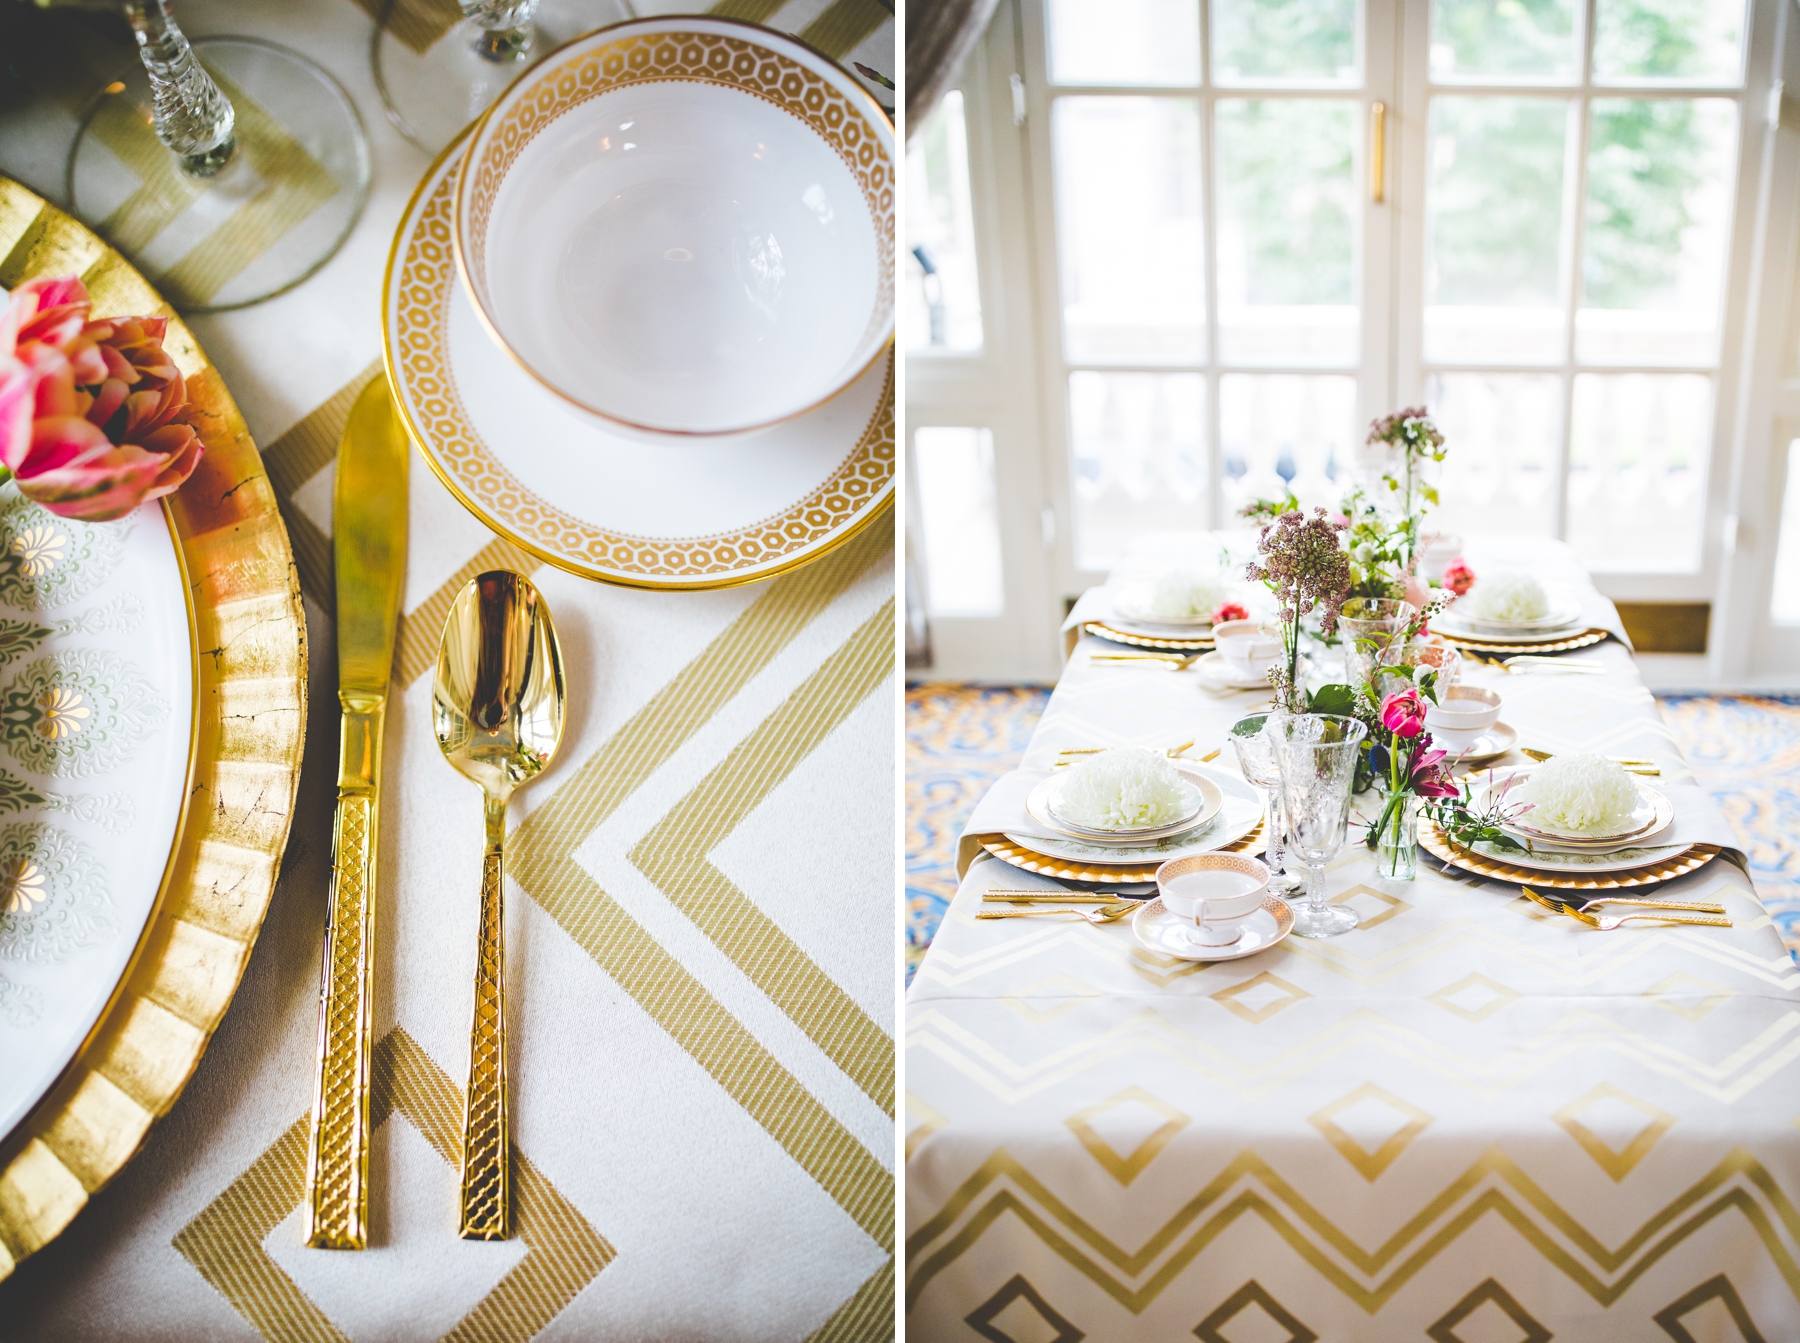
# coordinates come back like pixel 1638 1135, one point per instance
pixel 1124 788
pixel 1578 793
pixel 1507 595
pixel 1187 592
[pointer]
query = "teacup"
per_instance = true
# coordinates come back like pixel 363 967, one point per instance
pixel 1215 892
pixel 1461 715
pixel 682 226
pixel 1248 644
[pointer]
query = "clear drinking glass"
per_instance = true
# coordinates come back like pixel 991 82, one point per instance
pixel 1441 658
pixel 1256 757
pixel 228 169
pixel 437 74
pixel 1368 627
pixel 1317 757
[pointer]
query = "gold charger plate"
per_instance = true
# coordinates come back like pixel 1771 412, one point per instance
pixel 249 729
pixel 1125 873
pixel 1587 640
pixel 1101 630
pixel 1436 843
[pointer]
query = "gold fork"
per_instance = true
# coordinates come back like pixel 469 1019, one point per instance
pixel 1697 906
pixel 1608 922
pixel 1105 914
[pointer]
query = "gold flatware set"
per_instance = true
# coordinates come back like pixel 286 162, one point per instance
pixel 1520 663
pixel 497 712
pixel 1174 661
pixel 1630 764
pixel 1174 753
pixel 1703 913
pixel 1109 913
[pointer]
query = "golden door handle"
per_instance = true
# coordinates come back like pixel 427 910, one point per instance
pixel 1378 152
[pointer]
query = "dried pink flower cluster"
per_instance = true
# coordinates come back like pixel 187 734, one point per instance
pixel 1412 427
pixel 1300 560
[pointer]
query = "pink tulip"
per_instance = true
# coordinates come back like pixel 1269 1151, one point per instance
pixel 1229 611
pixel 1458 576
pixel 92 413
pixel 1403 713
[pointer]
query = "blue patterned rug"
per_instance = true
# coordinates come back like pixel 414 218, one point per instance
pixel 960 738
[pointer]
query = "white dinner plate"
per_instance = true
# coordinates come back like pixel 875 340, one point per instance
pixel 1449 624
pixel 676 513
pixel 98 674
pixel 1162 932
pixel 1652 815
pixel 1204 802
pixel 1562 861
pixel 1240 812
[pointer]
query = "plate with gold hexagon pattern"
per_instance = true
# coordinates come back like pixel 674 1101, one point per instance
pixel 664 513
pixel 97 678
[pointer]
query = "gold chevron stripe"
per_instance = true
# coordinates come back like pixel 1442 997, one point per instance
pixel 418 23
pixel 867 1317
pixel 224 1241
pixel 750 11
pixel 541 849
pixel 422 629
pixel 674 856
pixel 844 23
pixel 1643 1245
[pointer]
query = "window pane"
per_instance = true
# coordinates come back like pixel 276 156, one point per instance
pixel 1784 603
pixel 1504 39
pixel 1128 224
pixel 954 471
pixel 1280 430
pixel 1498 476
pixel 1658 218
pixel 1693 41
pixel 1297 41
pixel 1637 469
pixel 1124 41
pixel 1494 220
pixel 1287 236
pixel 943 299
pixel 1138 457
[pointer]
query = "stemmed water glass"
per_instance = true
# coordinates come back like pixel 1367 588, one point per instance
pixel 228 169
pixel 1316 754
pixel 1256 758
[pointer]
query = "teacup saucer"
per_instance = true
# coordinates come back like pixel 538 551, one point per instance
pixel 682 514
pixel 1167 935
pixel 1221 670
pixel 1493 743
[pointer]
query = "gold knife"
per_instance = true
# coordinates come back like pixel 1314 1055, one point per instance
pixel 368 525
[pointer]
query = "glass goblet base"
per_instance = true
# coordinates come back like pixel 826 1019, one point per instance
pixel 225 230
pixel 1323 920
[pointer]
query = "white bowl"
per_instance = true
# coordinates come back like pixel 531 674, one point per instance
pixel 1217 918
pixel 1463 713
pixel 1247 641
pixel 683 226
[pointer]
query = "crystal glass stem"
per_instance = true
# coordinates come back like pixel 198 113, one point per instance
pixel 193 118
pixel 506 32
pixel 1276 851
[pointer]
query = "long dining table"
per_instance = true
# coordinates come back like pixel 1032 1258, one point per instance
pixel 1469 1118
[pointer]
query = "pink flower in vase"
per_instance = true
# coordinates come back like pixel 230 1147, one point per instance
pixel 1458 576
pixel 1430 777
pixel 1229 611
pixel 1403 713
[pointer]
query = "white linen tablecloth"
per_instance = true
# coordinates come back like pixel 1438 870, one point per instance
pixel 700 925
pixel 1466 1119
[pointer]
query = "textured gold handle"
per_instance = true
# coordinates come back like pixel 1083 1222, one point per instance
pixel 337 1151
pixel 485 1179
pixel 1700 920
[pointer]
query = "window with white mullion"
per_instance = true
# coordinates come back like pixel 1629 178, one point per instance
pixel 1593 418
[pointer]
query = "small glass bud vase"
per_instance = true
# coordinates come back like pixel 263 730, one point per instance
pixel 1396 847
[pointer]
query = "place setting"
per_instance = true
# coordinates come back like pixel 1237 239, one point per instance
pixel 1511 612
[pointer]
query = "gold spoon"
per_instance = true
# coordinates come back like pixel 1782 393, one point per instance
pixel 1105 914
pixel 497 709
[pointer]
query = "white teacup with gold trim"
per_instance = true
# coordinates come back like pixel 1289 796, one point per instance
pixel 683 226
pixel 1215 893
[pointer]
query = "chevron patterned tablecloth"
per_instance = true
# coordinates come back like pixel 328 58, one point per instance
pixel 1466 1120
pixel 700 939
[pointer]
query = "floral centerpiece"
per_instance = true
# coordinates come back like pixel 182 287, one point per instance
pixel 94 416
pixel 1408 767
pixel 1300 561
pixel 1416 439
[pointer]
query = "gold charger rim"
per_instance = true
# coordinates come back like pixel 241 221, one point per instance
pixel 1028 860
pixel 1101 630
pixel 1588 640
pixel 882 419
pixel 248 733
pixel 1696 856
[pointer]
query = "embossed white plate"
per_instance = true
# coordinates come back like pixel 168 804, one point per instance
pixel 97 676
pixel 673 513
